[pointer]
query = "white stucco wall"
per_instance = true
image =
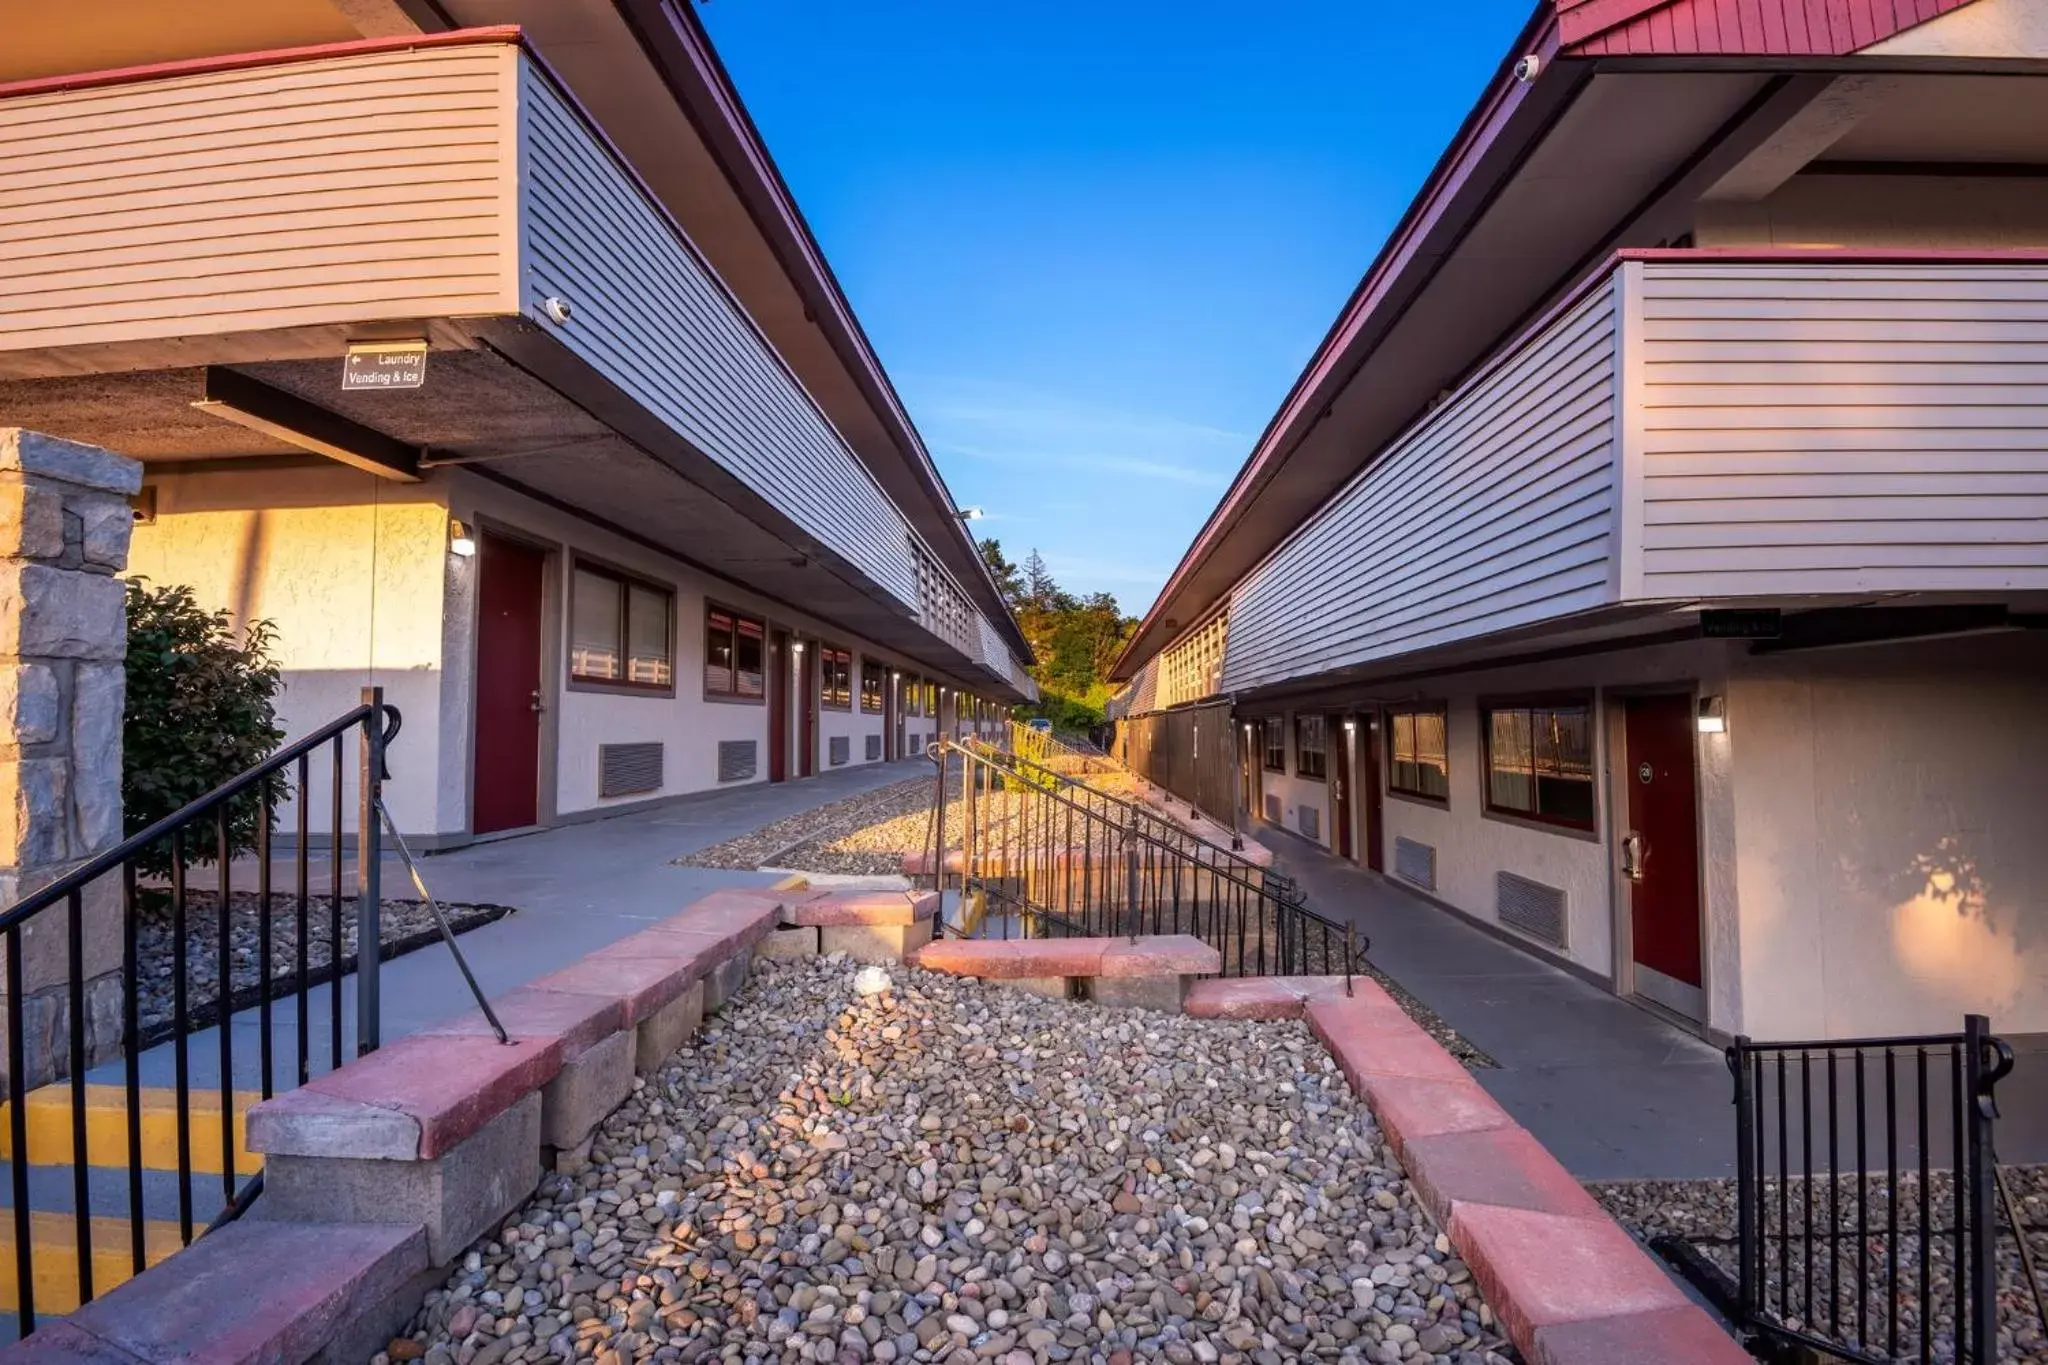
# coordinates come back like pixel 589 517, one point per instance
pixel 1891 815
pixel 348 567
pixel 356 573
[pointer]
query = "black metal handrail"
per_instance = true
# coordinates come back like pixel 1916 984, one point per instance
pixel 1164 828
pixel 197 833
pixel 1845 1241
pixel 1060 859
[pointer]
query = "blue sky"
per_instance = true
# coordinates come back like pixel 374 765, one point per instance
pixel 1094 244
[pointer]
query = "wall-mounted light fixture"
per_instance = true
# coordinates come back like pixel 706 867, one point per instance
pixel 797 647
pixel 1350 727
pixel 970 514
pixel 461 538
pixel 1713 715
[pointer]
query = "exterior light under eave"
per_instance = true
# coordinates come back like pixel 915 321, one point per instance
pixel 1713 715
pixel 461 539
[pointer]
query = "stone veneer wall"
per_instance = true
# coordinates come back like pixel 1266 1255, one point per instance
pixel 65 520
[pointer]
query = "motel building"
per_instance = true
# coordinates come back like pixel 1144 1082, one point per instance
pixel 479 346
pixel 1651 566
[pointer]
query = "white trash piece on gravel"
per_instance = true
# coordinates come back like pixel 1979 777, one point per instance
pixel 871 981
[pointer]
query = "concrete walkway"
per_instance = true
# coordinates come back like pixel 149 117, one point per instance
pixel 574 889
pixel 1613 1091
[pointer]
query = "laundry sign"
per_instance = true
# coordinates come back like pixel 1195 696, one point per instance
pixel 384 365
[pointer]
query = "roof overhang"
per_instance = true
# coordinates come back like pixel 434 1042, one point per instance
pixel 1565 159
pixel 647 75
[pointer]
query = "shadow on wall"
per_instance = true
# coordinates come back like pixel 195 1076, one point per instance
pixel 1951 929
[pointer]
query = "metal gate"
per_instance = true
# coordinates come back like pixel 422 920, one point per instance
pixel 1866 1189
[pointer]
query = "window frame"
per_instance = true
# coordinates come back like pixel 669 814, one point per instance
pixel 1549 701
pixel 733 697
pixel 1321 751
pixel 1267 727
pixel 880 673
pixel 831 698
pixel 1442 711
pixel 625 582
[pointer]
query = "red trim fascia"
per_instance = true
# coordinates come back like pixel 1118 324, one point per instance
pixel 2014 255
pixel 1496 109
pixel 241 61
pixel 747 145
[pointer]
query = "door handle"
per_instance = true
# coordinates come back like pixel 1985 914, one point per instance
pixel 1635 854
pixel 536 703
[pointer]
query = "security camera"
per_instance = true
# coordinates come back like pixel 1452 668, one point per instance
pixel 557 309
pixel 1528 68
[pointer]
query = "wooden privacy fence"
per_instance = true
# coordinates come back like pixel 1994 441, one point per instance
pixel 1191 752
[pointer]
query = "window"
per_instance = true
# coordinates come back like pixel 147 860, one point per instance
pixel 619 631
pixel 1276 744
pixel 835 678
pixel 1418 761
pixel 1539 762
pixel 870 686
pixel 1310 759
pixel 732 655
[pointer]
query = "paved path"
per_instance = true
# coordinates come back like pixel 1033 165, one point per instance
pixel 574 889
pixel 1613 1091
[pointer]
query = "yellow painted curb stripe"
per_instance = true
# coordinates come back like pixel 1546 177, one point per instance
pixel 48 1118
pixel 53 1256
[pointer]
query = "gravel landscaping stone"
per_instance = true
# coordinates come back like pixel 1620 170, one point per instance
pixel 867 833
pixel 405 927
pixel 950 1170
pixel 1704 1213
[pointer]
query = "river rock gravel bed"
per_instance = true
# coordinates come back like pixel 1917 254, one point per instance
pixel 1704 1213
pixel 403 927
pixel 957 1171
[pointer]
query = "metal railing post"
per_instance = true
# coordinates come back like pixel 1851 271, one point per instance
pixel 1131 873
pixel 369 876
pixel 1746 1249
pixel 1980 1075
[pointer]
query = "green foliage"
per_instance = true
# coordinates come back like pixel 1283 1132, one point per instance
pixel 1008 581
pixel 1076 640
pixel 200 710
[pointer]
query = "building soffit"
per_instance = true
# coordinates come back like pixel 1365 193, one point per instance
pixel 1791 118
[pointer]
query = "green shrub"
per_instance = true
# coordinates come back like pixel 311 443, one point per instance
pixel 200 710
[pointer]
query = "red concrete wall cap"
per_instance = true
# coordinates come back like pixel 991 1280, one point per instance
pixel 862 907
pixel 447 1085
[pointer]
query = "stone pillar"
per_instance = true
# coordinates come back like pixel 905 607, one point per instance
pixel 65 521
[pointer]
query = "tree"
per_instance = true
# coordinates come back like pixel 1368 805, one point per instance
pixel 1009 582
pixel 1039 589
pixel 1076 641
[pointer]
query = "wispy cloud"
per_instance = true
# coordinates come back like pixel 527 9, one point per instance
pixel 1107 464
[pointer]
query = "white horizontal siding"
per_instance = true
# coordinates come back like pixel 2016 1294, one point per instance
pixel 1814 428
pixel 1495 513
pixel 650 316
pixel 351 189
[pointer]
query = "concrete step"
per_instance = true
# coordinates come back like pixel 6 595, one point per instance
pixel 47 1117
pixel 54 1260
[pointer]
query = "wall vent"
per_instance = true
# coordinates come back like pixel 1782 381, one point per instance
pixel 874 749
pixel 1310 818
pixel 1272 810
pixel 1531 907
pixel 838 749
pixel 736 760
pixel 628 769
pixel 1415 862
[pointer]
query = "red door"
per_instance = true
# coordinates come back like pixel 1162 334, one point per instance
pixel 1660 851
pixel 1339 740
pixel 892 722
pixel 508 685
pixel 778 706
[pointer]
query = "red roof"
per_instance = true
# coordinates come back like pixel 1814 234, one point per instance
pixel 1833 28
